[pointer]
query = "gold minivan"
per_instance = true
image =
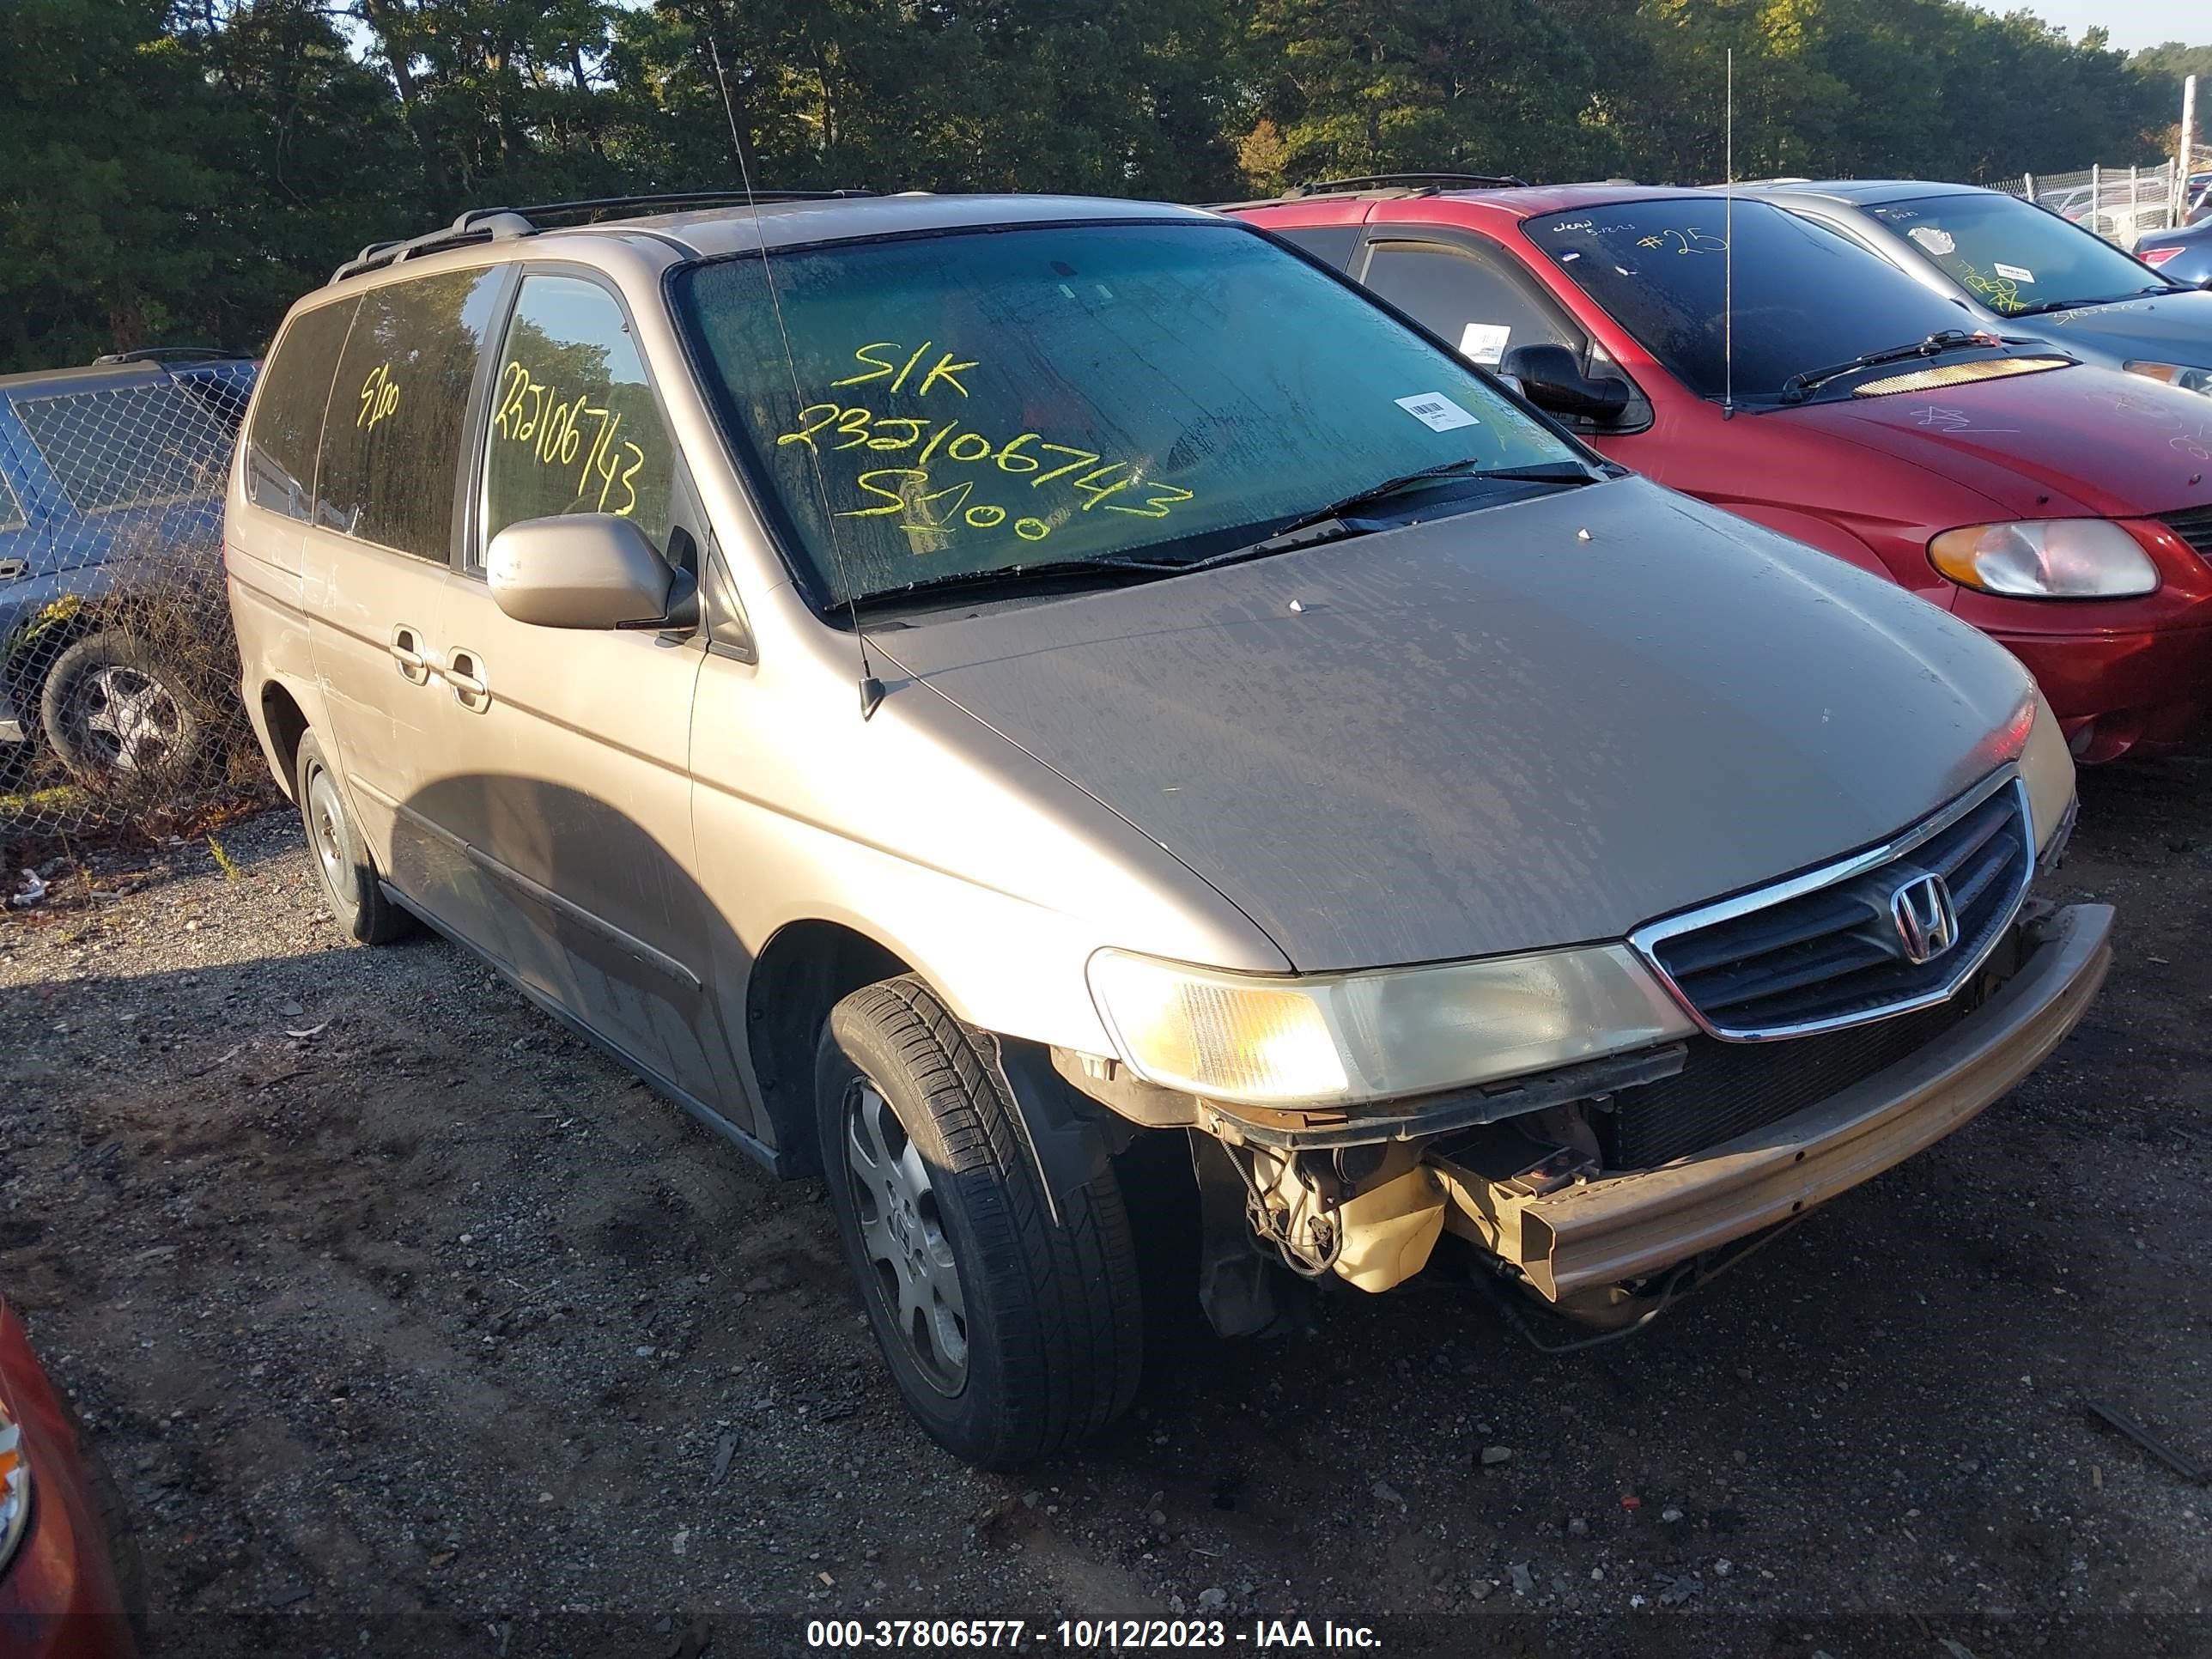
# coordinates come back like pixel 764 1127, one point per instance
pixel 948 689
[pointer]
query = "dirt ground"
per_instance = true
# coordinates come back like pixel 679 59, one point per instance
pixel 412 1326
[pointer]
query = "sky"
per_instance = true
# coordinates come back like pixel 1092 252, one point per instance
pixel 2133 24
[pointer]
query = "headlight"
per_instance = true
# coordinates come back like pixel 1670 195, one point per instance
pixel 2047 768
pixel 2047 559
pixel 1337 1039
pixel 14 1487
pixel 2180 374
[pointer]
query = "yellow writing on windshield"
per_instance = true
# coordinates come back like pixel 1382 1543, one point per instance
pixel 2001 293
pixel 571 433
pixel 944 369
pixel 380 397
pixel 1028 458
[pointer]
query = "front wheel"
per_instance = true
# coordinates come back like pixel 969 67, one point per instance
pixel 1009 1336
pixel 118 713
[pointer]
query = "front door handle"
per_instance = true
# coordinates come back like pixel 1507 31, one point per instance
pixel 406 650
pixel 465 672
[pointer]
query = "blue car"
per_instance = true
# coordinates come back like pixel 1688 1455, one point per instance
pixel 2020 269
pixel 111 539
pixel 2184 253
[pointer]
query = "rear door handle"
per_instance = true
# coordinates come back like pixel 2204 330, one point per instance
pixel 406 650
pixel 465 672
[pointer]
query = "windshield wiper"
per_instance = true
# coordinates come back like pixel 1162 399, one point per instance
pixel 1333 523
pixel 2042 307
pixel 1797 386
pixel 1015 575
pixel 1325 524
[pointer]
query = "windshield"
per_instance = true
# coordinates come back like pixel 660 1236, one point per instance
pixel 2010 256
pixel 982 400
pixel 1805 298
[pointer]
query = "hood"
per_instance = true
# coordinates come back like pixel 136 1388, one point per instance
pixel 2166 328
pixel 1485 733
pixel 2062 442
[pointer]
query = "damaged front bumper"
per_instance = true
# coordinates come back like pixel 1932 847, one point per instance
pixel 1619 1227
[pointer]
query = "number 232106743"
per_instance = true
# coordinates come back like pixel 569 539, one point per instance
pixel 904 491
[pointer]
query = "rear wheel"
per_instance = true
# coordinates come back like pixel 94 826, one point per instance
pixel 1009 1336
pixel 343 863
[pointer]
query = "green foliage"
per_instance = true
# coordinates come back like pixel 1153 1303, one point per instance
pixel 179 170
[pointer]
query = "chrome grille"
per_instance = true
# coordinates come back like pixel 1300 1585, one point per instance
pixel 2195 527
pixel 1825 950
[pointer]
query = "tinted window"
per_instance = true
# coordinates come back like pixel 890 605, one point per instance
pixel 574 428
pixel 288 420
pixel 1333 245
pixel 138 445
pixel 2013 258
pixel 11 510
pixel 1805 298
pixel 1470 300
pixel 398 409
pixel 984 401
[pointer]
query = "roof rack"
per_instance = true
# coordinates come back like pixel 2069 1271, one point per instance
pixel 167 355
pixel 1426 181
pixel 500 224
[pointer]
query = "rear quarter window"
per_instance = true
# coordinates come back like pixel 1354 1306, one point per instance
pixel 11 510
pixel 391 440
pixel 288 418
pixel 1333 245
pixel 132 446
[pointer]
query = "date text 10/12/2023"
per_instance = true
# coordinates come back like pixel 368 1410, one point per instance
pixel 929 505
pixel 1094 1635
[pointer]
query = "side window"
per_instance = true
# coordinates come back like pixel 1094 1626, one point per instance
pixel 1333 245
pixel 288 422
pixel 392 438
pixel 1471 299
pixel 574 425
pixel 11 510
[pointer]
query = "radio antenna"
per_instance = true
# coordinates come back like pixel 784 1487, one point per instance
pixel 1727 251
pixel 871 689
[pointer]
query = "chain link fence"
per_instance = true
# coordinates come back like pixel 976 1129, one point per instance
pixel 118 668
pixel 2121 204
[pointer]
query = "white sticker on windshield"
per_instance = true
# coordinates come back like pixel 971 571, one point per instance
pixel 1435 411
pixel 1484 342
pixel 2016 273
pixel 1935 241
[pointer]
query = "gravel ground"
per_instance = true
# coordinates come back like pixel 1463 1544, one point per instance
pixel 413 1327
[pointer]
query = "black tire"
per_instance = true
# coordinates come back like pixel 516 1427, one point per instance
pixel 343 868
pixel 118 712
pixel 1050 1319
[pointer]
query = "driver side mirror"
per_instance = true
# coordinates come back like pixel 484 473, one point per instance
pixel 1551 378
pixel 588 570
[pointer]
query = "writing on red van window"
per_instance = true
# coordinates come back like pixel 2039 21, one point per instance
pixel 380 397
pixel 570 433
pixel 950 476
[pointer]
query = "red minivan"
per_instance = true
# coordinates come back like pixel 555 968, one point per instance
pixel 1741 354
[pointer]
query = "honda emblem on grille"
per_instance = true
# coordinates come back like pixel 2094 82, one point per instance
pixel 1927 924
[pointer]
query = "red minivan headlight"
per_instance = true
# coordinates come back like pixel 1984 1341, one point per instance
pixel 14 1487
pixel 2047 559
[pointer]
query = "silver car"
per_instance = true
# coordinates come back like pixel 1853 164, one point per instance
pixel 958 691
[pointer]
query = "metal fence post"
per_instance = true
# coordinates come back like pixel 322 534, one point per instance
pixel 2028 179
pixel 2181 160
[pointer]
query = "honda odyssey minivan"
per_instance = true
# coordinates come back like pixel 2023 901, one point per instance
pixel 950 687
